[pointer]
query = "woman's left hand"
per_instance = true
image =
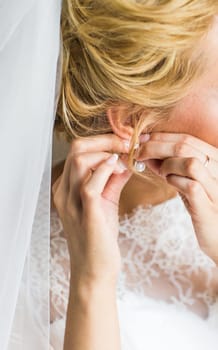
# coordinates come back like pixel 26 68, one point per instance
pixel 191 166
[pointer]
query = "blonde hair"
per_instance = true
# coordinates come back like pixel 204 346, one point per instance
pixel 134 53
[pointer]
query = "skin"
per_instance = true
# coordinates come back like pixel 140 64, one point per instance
pixel 197 113
pixel 88 191
pixel 179 152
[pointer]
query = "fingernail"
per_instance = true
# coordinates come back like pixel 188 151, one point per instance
pixel 144 137
pixel 113 159
pixel 136 146
pixel 126 144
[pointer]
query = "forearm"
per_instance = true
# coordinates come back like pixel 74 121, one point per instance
pixel 92 319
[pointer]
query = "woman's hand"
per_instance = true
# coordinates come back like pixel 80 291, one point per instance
pixel 86 196
pixel 191 166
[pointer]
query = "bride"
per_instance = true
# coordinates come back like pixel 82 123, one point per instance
pixel 134 242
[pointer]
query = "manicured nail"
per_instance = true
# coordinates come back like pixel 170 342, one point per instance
pixel 136 146
pixel 126 144
pixel 113 159
pixel 144 137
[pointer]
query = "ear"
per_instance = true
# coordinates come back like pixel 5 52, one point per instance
pixel 120 122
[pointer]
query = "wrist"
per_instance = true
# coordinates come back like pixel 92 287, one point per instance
pixel 84 288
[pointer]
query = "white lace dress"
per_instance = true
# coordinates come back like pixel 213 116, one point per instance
pixel 166 293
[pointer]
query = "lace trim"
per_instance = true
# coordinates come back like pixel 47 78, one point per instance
pixel 161 258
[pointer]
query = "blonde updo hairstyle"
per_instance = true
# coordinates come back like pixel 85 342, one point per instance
pixel 134 53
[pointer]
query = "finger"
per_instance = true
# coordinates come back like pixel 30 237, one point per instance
pixel 157 150
pixel 80 166
pixel 82 163
pixel 107 142
pixel 115 185
pixel 161 150
pixel 193 192
pixel 190 140
pixel 193 169
pixel 93 188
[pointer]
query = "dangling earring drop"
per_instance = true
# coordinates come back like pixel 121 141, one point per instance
pixel 139 166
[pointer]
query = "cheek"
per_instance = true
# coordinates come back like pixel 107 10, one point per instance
pixel 196 118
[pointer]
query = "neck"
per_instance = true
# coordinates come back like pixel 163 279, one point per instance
pixel 139 191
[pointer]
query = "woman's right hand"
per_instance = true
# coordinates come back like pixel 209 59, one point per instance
pixel 86 196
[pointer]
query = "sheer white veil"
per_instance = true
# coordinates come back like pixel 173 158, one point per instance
pixel 29 58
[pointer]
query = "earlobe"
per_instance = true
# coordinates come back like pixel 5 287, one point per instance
pixel 120 122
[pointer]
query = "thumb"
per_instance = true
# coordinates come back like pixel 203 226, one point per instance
pixel 115 185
